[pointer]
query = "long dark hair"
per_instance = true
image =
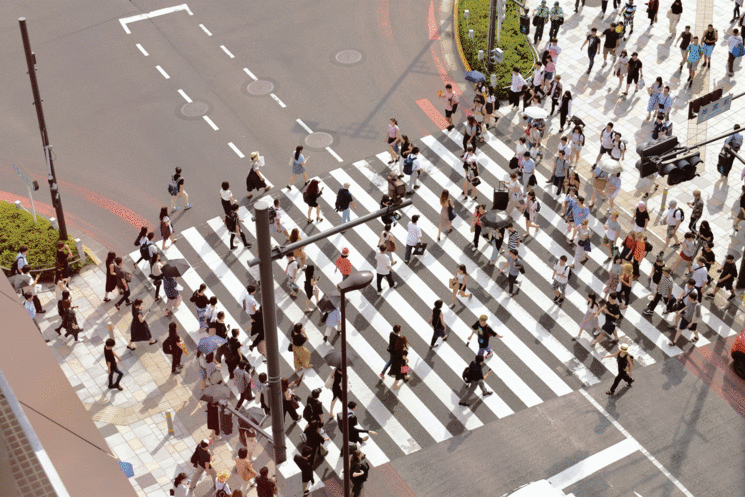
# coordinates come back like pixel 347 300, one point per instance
pixel 109 259
pixel 298 149
pixel 163 213
pixel 143 232
pixel 312 188
pixel 310 270
pixel 594 298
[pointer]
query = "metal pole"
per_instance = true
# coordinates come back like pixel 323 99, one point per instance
pixel 269 310
pixel 31 198
pixel 344 416
pixel 490 38
pixel 31 61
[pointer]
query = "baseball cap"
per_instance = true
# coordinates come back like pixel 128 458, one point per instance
pixel 641 204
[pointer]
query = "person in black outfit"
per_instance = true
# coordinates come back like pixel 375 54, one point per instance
pixel 314 439
pixel 336 391
pixel 438 324
pixel 232 352
pixel 625 367
pixel 171 344
pixel 612 313
pixel 233 222
pixel 306 468
pixel 392 338
pixel 221 329
pixel 313 407
pixel 287 403
pixel 355 429
pixel 359 469
pixel 641 216
pixel 727 278
pixel 213 419
pixel 112 358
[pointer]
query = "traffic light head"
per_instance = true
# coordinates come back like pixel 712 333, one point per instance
pixel 681 170
pixel 648 150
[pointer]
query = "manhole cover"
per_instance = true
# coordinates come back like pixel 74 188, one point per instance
pixel 194 109
pixel 319 140
pixel 260 87
pixel 348 56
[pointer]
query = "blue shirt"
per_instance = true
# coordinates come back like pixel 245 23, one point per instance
pixel 734 141
pixel 21 261
pixel 580 213
pixel 29 306
pixel 694 52
pixel 528 166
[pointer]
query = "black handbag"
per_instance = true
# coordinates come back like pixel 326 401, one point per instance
pixel 476 181
pixel 514 163
pixel 532 181
pixel 451 213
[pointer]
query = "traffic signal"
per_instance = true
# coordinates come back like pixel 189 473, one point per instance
pixel 497 56
pixel 649 150
pixel 681 169
pixel 525 25
pixel 396 188
pixel 695 105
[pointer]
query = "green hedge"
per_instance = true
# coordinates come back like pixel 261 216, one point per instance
pixel 17 228
pixel 516 46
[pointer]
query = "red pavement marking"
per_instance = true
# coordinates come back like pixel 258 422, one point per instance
pixel 465 105
pixel 115 208
pixel 434 33
pixel 712 365
pixel 432 112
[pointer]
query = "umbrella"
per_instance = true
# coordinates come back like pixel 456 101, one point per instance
pixel 127 468
pixel 213 393
pixel 475 76
pixel 609 165
pixel 536 112
pixel 19 281
pixel 209 344
pixel 496 219
pixel 175 267
pixel 330 301
pixel 333 358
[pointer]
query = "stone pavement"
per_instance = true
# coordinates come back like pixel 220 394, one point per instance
pixel 133 421
pixel 597 100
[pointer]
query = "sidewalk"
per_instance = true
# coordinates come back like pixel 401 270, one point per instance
pixel 133 421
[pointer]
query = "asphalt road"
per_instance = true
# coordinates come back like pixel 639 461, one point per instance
pixel 118 125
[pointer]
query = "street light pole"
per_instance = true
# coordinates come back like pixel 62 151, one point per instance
pixel 269 311
pixel 355 281
pixel 53 187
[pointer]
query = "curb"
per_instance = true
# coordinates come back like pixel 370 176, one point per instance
pixel 457 37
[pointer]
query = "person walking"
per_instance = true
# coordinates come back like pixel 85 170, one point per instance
pixel 654 97
pixel 695 52
pixel 139 330
pixel 437 320
pixel 709 40
pixel 343 264
pixel 265 486
pixel 676 9
pixel 30 287
pixel 291 271
pixel 412 168
pixel 628 12
pixel 301 355
pixel 244 468
pixel 201 301
pixel 393 337
pixel 310 286
pixel 451 104
pixel 276 214
pixel 560 279
pixel 122 282
pixel 297 163
pixel 515 268
pixel 213 418
pixel 177 191
pixel 174 346
pixel 687 252
pixel 310 197
pixel 673 220
pixel 627 280
pixel 112 359
pixel 383 269
pixel 299 253
pixel 226 197
pixel 540 16
pixel 288 402
pixel 516 87
pixel 635 73
pixel 393 138
pixel 688 318
pixel 243 381
pixel 559 172
pixel 111 278
pixel 156 273
pixel 20 261
pixel 476 226
pixel 612 230
pixel 399 369
pixel 593 44
pixel 625 367
pixel 610 43
pixel 475 378
pixel 664 292
pixel 359 468
pixel 555 91
pixel 314 439
pixel 557 19
pixel 202 461
pixel 447 209
pixel 255 180
pixel 733 42
pixel 726 278
pixel 413 237
pixel 527 169
pixel 166 228
pixel 483 332
pixel 335 379
pixel 233 223
pixel 470 181
pixel 697 210
pixel 653 6
pixel 641 217
pixel 170 288
pixel 458 284
pixel 532 207
pixel 685 39
pixel 589 321
pixel 612 314
pixel 345 202
pixel 606 142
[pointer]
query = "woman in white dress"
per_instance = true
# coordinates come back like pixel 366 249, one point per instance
pixel 622 67
pixel 589 321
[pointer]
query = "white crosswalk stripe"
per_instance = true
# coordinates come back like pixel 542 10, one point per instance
pixel 533 362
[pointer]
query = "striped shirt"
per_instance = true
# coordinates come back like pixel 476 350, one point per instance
pixel 665 285
pixel 514 239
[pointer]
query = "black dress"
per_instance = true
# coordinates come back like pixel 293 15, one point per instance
pixel 253 181
pixel 213 418
pixel 336 387
pixel 396 363
pixel 140 331
pixel 110 280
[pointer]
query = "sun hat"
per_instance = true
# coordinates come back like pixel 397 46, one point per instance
pixel 624 347
pixel 345 251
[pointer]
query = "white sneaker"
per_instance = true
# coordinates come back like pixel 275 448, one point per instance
pixel 395 284
pixel 595 333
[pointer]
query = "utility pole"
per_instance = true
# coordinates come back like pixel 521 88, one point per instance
pixel 53 187
pixel 493 17
pixel 269 312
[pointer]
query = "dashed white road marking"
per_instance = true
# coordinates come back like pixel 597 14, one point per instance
pixel 276 99
pixel 305 127
pixel 334 154
pixel 250 74
pixel 144 52
pixel 235 149
pixel 227 52
pixel 127 20
pixel 205 30
pixel 186 97
pixel 165 74
pixel 209 121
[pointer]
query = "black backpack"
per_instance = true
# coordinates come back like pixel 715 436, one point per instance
pixel 272 215
pixel 14 268
pixel 167 346
pixel 230 222
pixel 145 250
pixel 682 215
pixel 343 198
pixel 408 165
pixel 467 374
pixel 308 412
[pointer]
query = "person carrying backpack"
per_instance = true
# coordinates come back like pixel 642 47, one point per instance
pixel 176 189
pixel 475 377
pixel 344 202
pixel 233 223
pixel 412 169
pixel 625 367
pixel 20 261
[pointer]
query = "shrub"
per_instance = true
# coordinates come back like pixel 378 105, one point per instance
pixel 515 45
pixel 17 228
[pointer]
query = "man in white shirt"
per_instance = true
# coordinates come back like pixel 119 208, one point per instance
pixel 383 268
pixel 292 268
pixel 30 287
pixel 733 42
pixel 413 237
pixel 700 275
pixel 250 304
pixel 561 278
pixel 538 75
pixel 606 142
pixel 618 152
pixel 672 220
pixel 415 168
pixel 516 87
pixel 528 167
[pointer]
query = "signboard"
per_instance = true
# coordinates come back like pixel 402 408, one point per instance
pixel 32 184
pixel 713 109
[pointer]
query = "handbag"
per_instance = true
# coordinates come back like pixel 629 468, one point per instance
pixel 294 401
pixel 560 20
pixel 641 83
pixel 420 248
pixel 476 181
pixel 453 283
pixel 128 277
pixel 390 245
pixel 451 213
pixel 738 51
pixel 329 381
pixel 532 181
pixel 514 163
pixel 405 369
pixel 289 349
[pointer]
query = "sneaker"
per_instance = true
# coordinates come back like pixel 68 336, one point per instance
pixel 488 394
pixel 188 207
pixel 560 300
pixel 596 333
pixel 463 404
pixel 174 210
pixel 395 283
pixel 731 297
pixel 648 312
pixel 710 295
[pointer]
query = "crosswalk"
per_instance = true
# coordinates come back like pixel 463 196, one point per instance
pixel 536 360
